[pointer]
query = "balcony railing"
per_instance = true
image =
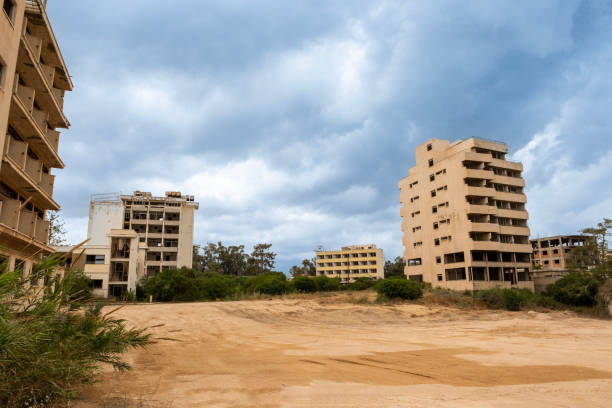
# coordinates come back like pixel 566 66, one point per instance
pixel 17 151
pixel 33 168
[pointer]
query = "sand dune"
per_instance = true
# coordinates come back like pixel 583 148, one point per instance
pixel 326 352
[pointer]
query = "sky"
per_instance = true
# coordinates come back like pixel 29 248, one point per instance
pixel 291 122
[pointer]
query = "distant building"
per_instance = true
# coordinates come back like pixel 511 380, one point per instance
pixel 464 218
pixel 351 262
pixel 132 236
pixel 550 256
pixel 33 81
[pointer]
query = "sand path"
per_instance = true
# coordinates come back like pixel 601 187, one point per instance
pixel 325 352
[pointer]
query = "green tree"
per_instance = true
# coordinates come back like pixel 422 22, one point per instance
pixel 199 261
pixel 308 268
pixel 261 260
pixel 57 228
pixel 230 260
pixel 593 255
pixel 395 268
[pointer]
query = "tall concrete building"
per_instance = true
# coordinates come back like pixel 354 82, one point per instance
pixel 33 80
pixel 351 262
pixel 132 236
pixel 463 217
pixel 550 257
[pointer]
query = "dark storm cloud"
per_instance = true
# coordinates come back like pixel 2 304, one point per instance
pixel 293 121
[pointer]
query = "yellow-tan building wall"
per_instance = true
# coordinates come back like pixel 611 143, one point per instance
pixel 449 205
pixel 350 263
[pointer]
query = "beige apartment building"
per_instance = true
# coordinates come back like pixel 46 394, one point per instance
pixel 463 217
pixel 351 262
pixel 33 81
pixel 132 236
pixel 550 256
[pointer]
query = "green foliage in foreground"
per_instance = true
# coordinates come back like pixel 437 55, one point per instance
pixel 394 288
pixel 53 338
pixel 304 284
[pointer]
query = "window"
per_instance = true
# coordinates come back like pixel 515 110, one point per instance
pixel 414 262
pixel 556 251
pixel 544 252
pixel 432 177
pixel 435 225
pixel 436 241
pixel 438 259
pixel 429 147
pixel 430 162
pixel 546 262
pixel 439 276
pixel 433 193
pixel 9 9
pixel 556 261
pixel 96 284
pixel 2 73
pixel 95 259
pixel 434 209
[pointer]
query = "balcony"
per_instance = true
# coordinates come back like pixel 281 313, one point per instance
pixel 512 230
pixel 17 151
pixel 506 164
pixel 478 174
pixel 27 220
pixel 511 181
pixel 515 197
pixel 170 249
pixel 481 209
pixel 33 168
pixel 22 120
pixel 10 212
pixel 171 236
pixel 41 77
pixel 42 230
pixel 508 213
pixel 480 191
pixel 484 227
pixel 25 94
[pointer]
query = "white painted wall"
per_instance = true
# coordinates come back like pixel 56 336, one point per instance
pixel 103 216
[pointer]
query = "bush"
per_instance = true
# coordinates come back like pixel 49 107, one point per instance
pixel 271 285
pixel 394 288
pixel 362 284
pixel 212 288
pixel 509 299
pixel 575 289
pixel 325 284
pixel 304 284
pixel 52 341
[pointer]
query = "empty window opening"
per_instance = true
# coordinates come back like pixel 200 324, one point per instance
pixel 432 177
pixel 455 274
pixel 94 259
pixel 96 284
pixel 9 9
pixel 433 193
pixel 430 162
pixel 439 277
pixel 429 147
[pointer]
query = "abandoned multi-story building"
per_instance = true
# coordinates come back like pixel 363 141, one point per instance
pixel 463 217
pixel 351 262
pixel 550 256
pixel 132 236
pixel 33 80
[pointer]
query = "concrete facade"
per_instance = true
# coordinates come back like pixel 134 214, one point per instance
pixel 463 217
pixel 550 255
pixel 33 81
pixel 132 236
pixel 351 262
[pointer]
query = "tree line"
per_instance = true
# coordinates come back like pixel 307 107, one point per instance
pixel 233 260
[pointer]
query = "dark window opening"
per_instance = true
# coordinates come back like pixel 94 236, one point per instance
pixel 95 259
pixel 430 162
pixel 96 284
pixel 9 8
pixel 429 147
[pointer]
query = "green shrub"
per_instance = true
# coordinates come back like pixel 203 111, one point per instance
pixel 51 340
pixel 212 288
pixel 304 284
pixel 509 299
pixel 271 285
pixel 575 289
pixel 325 284
pixel 394 288
pixel 362 284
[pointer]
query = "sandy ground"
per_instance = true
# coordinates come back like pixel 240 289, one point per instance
pixel 326 352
